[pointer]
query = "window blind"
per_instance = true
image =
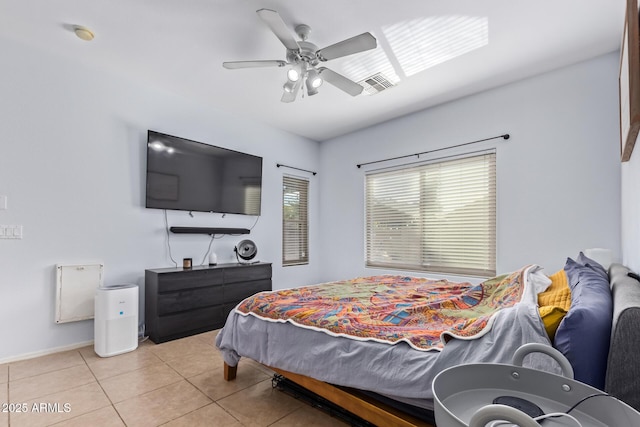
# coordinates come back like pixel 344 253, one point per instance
pixel 437 217
pixel 295 225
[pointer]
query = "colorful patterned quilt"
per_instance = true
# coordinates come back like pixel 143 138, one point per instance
pixel 422 312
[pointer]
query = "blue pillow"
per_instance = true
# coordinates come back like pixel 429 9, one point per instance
pixel 584 333
pixel 572 268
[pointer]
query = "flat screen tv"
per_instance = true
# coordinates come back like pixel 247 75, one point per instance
pixel 193 176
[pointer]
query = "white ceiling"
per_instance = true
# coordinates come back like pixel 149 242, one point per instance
pixel 180 45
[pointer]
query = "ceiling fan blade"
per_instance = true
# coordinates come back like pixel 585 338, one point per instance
pixel 278 27
pixel 340 81
pixel 232 65
pixel 291 96
pixel 364 41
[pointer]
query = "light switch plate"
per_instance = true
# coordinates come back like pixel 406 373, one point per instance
pixel 3 203
pixel 10 232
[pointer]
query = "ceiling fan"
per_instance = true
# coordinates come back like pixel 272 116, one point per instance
pixel 303 58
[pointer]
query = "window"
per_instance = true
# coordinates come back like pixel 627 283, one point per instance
pixel 295 225
pixel 438 217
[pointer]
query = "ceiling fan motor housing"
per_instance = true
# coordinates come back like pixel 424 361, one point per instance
pixel 306 54
pixel 303 31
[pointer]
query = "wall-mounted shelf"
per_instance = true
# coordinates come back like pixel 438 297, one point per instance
pixel 208 230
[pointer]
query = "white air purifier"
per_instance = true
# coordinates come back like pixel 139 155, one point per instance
pixel 116 320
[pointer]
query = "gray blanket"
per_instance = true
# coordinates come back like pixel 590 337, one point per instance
pixel 397 371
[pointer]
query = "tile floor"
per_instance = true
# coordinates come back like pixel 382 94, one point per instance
pixel 177 383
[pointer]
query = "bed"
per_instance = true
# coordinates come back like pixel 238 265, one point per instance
pixel 372 377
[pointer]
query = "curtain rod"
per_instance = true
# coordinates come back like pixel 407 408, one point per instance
pixel 435 159
pixel 291 167
pixel 505 136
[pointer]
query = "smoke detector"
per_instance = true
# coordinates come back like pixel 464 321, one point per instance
pixel 83 33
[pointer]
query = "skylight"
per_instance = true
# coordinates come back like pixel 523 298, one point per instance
pixel 422 43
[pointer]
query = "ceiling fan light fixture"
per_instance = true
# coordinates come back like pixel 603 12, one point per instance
pixel 313 82
pixel 313 79
pixel 311 90
pixel 317 82
pixel 289 86
pixel 293 74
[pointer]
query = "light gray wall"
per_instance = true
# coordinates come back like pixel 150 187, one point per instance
pixel 558 177
pixel 72 163
pixel 631 211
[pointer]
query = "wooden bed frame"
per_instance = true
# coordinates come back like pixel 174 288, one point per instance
pixel 349 399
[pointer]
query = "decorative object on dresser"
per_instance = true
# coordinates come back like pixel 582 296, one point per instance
pixel 246 251
pixel 213 258
pixel 181 302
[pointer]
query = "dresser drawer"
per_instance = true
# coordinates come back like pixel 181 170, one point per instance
pixel 237 292
pixel 247 273
pixel 181 323
pixel 189 279
pixel 173 302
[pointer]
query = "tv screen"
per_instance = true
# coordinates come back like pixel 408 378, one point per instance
pixel 193 176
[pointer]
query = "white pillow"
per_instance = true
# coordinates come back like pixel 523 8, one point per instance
pixel 600 255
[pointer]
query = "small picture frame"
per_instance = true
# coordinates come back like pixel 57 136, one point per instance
pixel 629 82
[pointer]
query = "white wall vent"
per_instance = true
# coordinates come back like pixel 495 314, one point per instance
pixel 76 287
pixel 375 84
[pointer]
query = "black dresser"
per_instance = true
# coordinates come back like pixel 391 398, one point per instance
pixel 181 302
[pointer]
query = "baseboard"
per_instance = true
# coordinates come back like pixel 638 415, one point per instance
pixel 45 352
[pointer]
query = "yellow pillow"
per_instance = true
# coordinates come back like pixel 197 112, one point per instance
pixel 554 302
pixel 551 317
pixel 558 293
